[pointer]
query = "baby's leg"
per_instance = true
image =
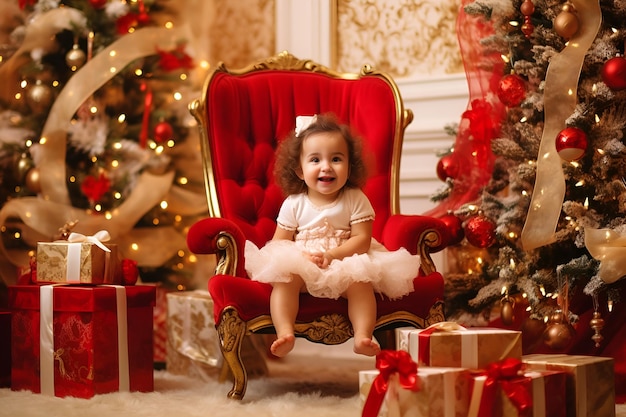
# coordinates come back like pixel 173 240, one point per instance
pixel 362 313
pixel 284 304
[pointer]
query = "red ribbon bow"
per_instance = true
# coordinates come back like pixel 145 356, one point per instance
pixel 389 362
pixel 506 375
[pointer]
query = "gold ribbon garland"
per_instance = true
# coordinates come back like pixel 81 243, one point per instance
pixel 609 247
pixel 561 85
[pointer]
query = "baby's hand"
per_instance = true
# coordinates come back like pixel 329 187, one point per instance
pixel 317 258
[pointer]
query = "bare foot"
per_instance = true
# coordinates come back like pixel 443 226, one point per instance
pixel 283 345
pixel 366 346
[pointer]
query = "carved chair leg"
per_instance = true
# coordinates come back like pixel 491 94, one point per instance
pixel 231 331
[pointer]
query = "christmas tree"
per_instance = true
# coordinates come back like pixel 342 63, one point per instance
pixel 540 215
pixel 95 132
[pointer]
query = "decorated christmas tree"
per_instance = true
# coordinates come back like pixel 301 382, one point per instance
pixel 535 188
pixel 95 132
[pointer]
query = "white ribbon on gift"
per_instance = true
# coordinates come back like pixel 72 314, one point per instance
pixel 122 337
pixel 46 338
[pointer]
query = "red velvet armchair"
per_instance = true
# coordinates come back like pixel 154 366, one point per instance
pixel 243 115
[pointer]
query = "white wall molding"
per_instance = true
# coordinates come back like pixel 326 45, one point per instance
pixel 306 29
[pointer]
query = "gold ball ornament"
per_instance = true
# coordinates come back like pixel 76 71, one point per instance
pixel 33 180
pixel 507 310
pixel 566 23
pixel 559 333
pixel 23 164
pixel 75 57
pixel 39 96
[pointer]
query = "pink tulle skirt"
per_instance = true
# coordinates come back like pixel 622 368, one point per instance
pixel 390 272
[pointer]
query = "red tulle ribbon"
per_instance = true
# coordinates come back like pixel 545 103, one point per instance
pixel 480 123
pixel 506 376
pixel 389 362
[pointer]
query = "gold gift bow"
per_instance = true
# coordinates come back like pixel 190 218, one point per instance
pixel 561 85
pixel 55 204
pixel 609 247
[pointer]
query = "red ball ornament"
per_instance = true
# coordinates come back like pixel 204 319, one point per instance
pixel 480 231
pixel 447 168
pixel 511 90
pixel 571 143
pixel 455 227
pixel 98 4
pixel 163 131
pixel 614 73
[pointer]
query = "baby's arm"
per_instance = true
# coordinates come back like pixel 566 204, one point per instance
pixel 359 242
pixel 285 234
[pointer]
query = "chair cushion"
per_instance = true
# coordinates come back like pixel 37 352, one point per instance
pixel 251 299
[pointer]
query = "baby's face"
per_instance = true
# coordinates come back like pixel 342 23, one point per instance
pixel 324 164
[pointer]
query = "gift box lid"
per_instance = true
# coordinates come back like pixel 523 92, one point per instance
pixel 81 297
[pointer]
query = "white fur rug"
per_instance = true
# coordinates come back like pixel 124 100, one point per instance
pixel 302 386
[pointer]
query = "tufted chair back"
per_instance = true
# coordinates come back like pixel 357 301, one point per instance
pixel 241 185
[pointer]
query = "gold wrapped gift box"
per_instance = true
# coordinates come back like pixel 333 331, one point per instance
pixel 443 392
pixel 590 382
pixel 456 346
pixel 193 346
pixel 78 263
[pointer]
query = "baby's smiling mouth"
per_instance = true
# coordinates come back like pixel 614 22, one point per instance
pixel 326 179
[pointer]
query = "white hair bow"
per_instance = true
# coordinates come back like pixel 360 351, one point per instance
pixel 303 122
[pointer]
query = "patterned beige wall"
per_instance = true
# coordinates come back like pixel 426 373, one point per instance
pixel 401 37
pixel 241 32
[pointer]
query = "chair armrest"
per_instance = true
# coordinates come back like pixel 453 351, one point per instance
pixel 418 234
pixel 221 237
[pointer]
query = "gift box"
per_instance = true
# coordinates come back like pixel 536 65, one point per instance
pixel 193 346
pixel 590 382
pixel 448 344
pixel 79 340
pixel 516 392
pixel 439 392
pixel 88 262
pixel 160 326
pixel 5 348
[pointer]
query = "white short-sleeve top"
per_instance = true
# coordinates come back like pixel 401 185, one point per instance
pixel 298 213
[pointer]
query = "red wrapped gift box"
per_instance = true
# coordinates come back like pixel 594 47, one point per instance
pixel 5 348
pixel 82 349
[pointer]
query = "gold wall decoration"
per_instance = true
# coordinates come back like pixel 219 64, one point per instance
pixel 402 38
pixel 241 32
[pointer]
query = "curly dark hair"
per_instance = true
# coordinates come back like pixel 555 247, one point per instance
pixel 288 155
